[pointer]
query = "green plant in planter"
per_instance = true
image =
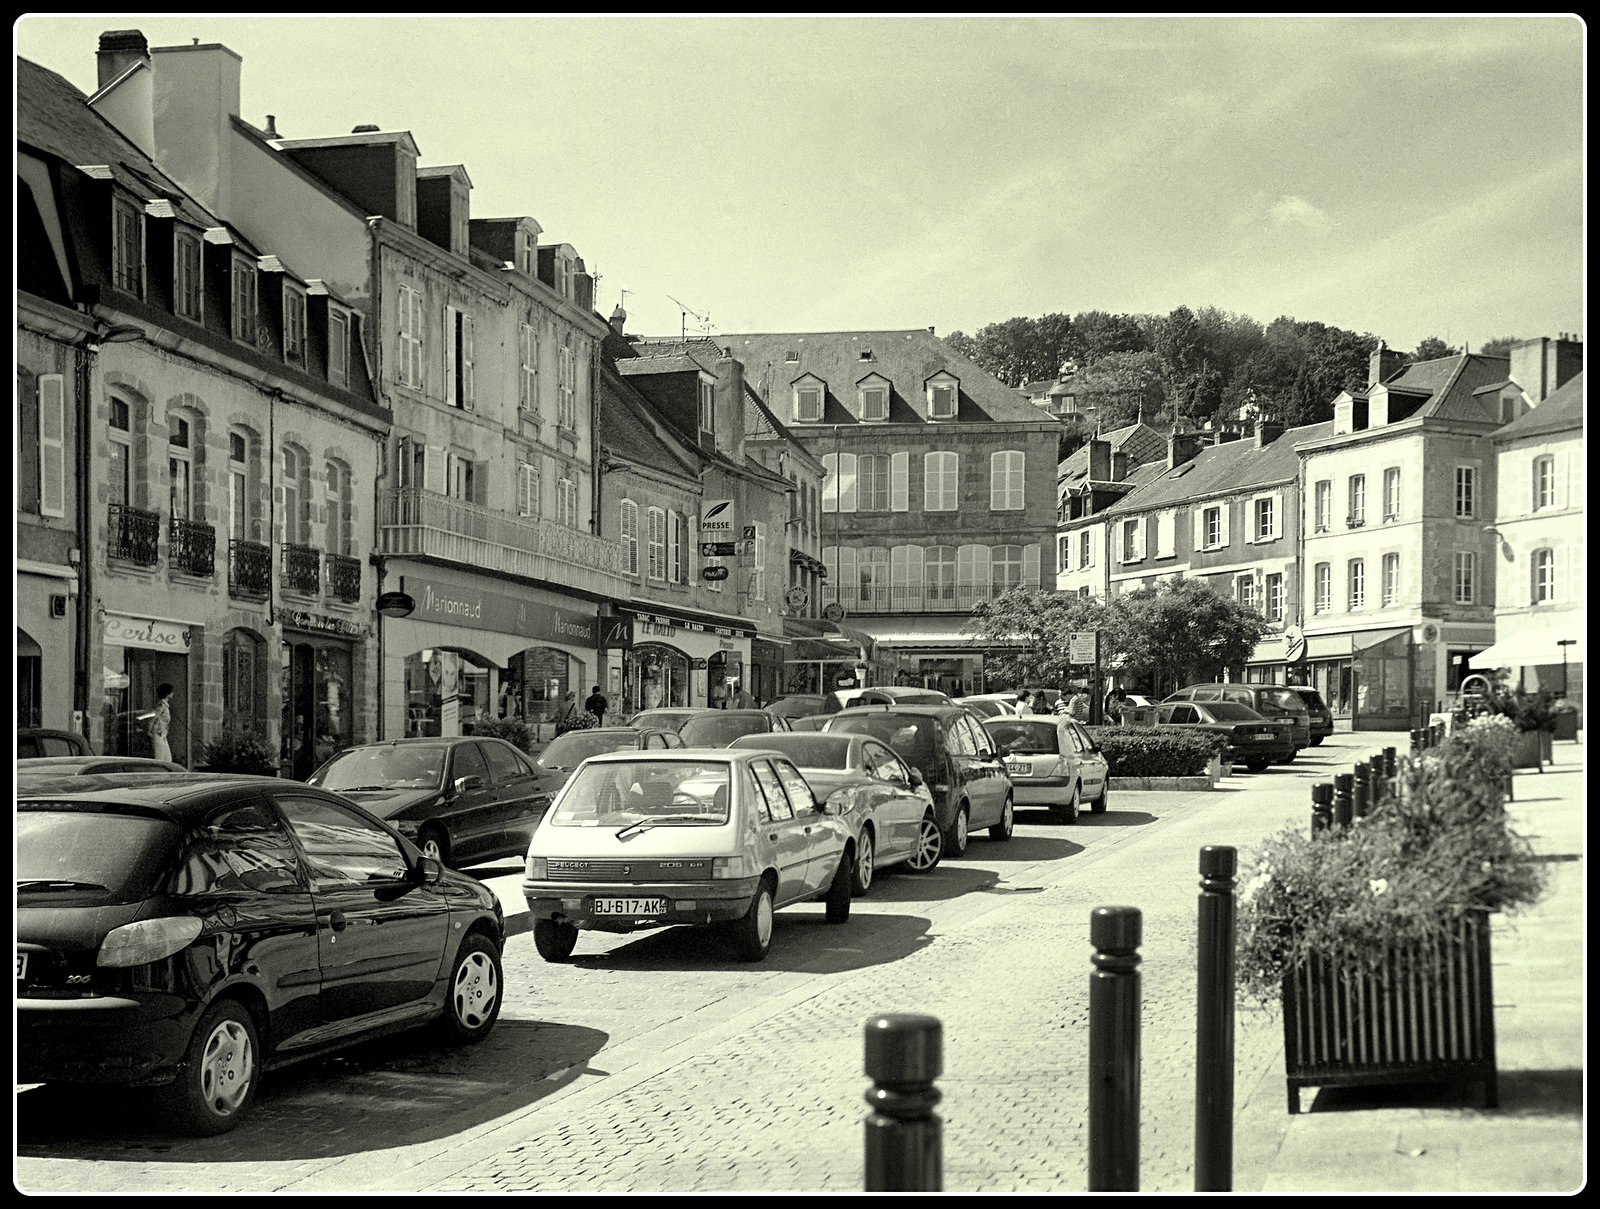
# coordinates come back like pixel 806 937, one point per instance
pixel 1399 878
pixel 582 720
pixel 239 749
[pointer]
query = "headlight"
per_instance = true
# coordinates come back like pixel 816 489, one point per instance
pixel 147 941
pixel 538 868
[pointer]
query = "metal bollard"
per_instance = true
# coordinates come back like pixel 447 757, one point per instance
pixel 1343 786
pixel 1115 933
pixel 1213 1073
pixel 1360 790
pixel 904 1136
pixel 1377 787
pixel 1322 806
pixel 1389 768
pixel 1416 741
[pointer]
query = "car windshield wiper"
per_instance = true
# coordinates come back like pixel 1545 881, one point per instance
pixel 633 829
pixel 57 883
pixel 365 788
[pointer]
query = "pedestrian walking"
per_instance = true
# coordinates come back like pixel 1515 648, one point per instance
pixel 1078 707
pixel 597 705
pixel 160 723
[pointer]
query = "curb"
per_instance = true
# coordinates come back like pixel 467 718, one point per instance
pixel 1183 784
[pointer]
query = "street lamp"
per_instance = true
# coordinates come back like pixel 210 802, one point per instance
pixel 1564 643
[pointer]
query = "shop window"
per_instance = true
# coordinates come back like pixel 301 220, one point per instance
pixel 447 692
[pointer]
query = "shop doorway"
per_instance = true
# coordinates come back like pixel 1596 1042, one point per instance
pixel 130 680
pixel 318 713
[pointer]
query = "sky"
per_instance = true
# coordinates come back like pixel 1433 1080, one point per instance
pixel 1404 177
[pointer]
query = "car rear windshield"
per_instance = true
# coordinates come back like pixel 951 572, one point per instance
pixel 62 846
pixel 1282 698
pixel 578 746
pixel 387 766
pixel 719 730
pixel 1024 738
pixel 669 793
pixel 1311 697
pixel 1229 711
pixel 805 750
pixel 911 738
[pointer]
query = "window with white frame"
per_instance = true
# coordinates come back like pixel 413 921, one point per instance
pixel 294 325
pixel 528 379
pixel 458 357
pixel 1322 588
pixel 874 402
pixel 1085 549
pixel 1213 527
pixel 808 401
pixel 675 545
pixel 52 445
pixel 1005 569
pixel 939 482
pixel 180 468
pixel 872 482
pixel 1007 472
pixel 943 397
pixel 339 497
pixel 900 481
pixel 1391 494
pixel 1464 575
pixel 906 577
pixel 1544 482
pixel 1064 552
pixel 655 531
pixel 872 576
pixel 1356 584
pixel 527 489
pixel 708 406
pixel 408 365
pixel 629 529
pixel 119 471
pixel 758 571
pixel 1264 518
pixel 839 482
pixel 1275 596
pixel 939 573
pixel 188 286
pixel 461 478
pixel 1389 587
pixel 127 247
pixel 1357 516
pixel 241 513
pixel 1324 505
pixel 567 385
pixel 1133 540
pixel 1544 576
pixel 1244 591
pixel 1466 492
pixel 410 458
pixel 295 516
pixel 338 347
pixel 244 297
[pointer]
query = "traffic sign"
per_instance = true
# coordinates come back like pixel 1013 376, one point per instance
pixel 718 549
pixel 714 572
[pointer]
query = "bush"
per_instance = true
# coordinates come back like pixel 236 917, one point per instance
pixel 513 730
pixel 239 750
pixel 1155 751
pixel 582 720
pixel 1398 877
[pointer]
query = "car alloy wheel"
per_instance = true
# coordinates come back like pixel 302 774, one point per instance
pixel 1007 824
pixel 929 849
pixel 475 982
pixel 861 870
pixel 434 842
pixel 220 1072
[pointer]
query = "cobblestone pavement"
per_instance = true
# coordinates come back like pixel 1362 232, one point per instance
pixel 657 1063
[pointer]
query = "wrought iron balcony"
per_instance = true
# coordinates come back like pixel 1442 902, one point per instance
pixel 918 598
pixel 425 524
pixel 302 569
pixel 344 577
pixel 192 548
pixel 135 534
pixel 249 569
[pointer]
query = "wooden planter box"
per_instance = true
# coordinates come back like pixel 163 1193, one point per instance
pixel 1426 1017
pixel 1533 749
pixel 1566 727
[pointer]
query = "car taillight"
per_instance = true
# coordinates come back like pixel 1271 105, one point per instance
pixel 146 941
pixel 537 868
pixel 732 866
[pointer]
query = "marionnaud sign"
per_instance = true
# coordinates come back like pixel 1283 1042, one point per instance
pixel 477 609
pixel 717 519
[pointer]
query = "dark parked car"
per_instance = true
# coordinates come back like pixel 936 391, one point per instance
pixel 956 758
pixel 798 705
pixel 88 766
pixel 1321 715
pixel 461 800
pixel 1252 740
pixel 1268 700
pixel 665 718
pixel 557 761
pixel 720 727
pixel 191 931
pixel 35 741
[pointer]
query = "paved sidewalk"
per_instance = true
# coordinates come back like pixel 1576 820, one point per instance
pixel 1439 1140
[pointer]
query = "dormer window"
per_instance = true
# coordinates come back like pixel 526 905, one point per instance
pixel 792 357
pixel 244 299
pixel 708 414
pixel 866 354
pixel 127 247
pixel 188 289
pixel 809 397
pixel 294 325
pixel 338 347
pixel 943 396
pixel 873 395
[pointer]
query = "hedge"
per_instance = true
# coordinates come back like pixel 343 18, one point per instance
pixel 1156 751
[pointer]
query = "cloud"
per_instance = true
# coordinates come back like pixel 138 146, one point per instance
pixel 1292 211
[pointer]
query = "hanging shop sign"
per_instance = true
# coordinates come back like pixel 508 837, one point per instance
pixel 148 633
pixel 717 519
pixel 719 549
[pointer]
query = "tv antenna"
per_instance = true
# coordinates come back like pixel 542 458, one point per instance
pixel 683 320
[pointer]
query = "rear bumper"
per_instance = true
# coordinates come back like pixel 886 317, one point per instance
pixel 687 902
pixel 1250 752
pixel 1039 791
pixel 102 1039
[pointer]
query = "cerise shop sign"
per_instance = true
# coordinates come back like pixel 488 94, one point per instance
pixel 147 632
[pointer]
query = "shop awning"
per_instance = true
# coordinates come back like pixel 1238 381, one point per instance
pixel 819 650
pixel 1531 648
pixel 1371 638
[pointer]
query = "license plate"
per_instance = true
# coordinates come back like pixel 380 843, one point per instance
pixel 1018 768
pixel 22 966
pixel 1262 738
pixel 630 906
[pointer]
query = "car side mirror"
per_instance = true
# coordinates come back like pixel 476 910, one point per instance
pixel 428 871
pixel 472 781
pixel 916 779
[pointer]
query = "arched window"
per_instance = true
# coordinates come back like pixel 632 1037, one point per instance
pixel 939 574
pixel 1005 568
pixel 972 575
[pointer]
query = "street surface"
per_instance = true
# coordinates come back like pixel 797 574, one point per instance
pixel 658 1063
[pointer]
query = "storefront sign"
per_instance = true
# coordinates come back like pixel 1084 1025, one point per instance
pixel 651 628
pixel 717 519
pixel 322 623
pixel 616 633
pixel 714 572
pixel 148 633
pixel 480 610
pixel 718 549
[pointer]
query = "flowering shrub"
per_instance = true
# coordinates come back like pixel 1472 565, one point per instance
pixel 239 749
pixel 582 720
pixel 1397 877
pixel 513 730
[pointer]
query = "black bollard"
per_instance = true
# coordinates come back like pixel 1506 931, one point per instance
pixel 1213 1071
pixel 904 1136
pixel 1343 786
pixel 1322 806
pixel 1389 758
pixel 1115 933
pixel 1377 787
pixel 1360 790
pixel 1416 741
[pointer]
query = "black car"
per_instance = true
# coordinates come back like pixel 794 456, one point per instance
pixel 1251 739
pixel 36 741
pixel 189 932
pixel 956 757
pixel 1321 715
pixel 461 800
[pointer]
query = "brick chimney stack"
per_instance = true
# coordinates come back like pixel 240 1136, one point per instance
pixel 119 50
pixel 1383 364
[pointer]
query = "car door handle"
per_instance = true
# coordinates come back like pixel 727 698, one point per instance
pixel 336 920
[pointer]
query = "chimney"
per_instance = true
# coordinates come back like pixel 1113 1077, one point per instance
pixel 272 128
pixel 1383 364
pixel 1541 366
pixel 1119 467
pixel 619 318
pixel 1267 431
pixel 1182 446
pixel 119 50
pixel 1099 461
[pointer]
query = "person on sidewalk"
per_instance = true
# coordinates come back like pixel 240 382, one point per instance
pixel 597 705
pixel 742 699
pixel 160 720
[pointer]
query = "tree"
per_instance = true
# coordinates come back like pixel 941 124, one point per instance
pixel 963 344
pixel 1177 633
pixel 1499 347
pixel 1097 334
pixel 1432 349
pixel 1121 387
pixel 1028 634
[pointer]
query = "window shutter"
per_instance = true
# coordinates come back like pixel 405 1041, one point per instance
pixel 1094 540
pixel 1141 532
pixel 450 356
pixel 433 469
pixel 1199 515
pixel 830 482
pixel 1277 515
pixel 1559 463
pixel 847 482
pixel 1558 574
pixel 467 395
pixel 900 481
pixel 1224 509
pixel 52 446
pixel 1030 566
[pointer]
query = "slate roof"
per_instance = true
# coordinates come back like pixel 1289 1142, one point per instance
pixel 1561 412
pixel 631 366
pixel 1221 469
pixel 1452 384
pixel 907 358
pixel 626 432
pixel 1138 441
